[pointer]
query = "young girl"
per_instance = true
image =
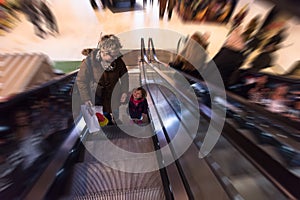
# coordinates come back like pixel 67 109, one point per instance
pixel 138 106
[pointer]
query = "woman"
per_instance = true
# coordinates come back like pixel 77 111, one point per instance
pixel 193 56
pixel 103 79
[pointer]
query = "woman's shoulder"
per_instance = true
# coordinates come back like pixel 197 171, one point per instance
pixel 120 59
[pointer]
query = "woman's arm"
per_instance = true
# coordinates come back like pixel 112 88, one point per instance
pixel 82 81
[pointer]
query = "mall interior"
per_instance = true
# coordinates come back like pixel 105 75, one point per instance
pixel 222 99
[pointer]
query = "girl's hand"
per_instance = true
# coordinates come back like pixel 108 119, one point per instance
pixel 123 98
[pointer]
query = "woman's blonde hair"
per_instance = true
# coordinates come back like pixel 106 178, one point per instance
pixel 109 42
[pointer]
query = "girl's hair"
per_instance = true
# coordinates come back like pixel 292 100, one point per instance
pixel 144 92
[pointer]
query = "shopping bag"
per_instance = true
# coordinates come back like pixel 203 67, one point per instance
pixel 90 118
pixel 103 121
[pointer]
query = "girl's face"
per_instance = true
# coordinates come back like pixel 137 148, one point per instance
pixel 137 94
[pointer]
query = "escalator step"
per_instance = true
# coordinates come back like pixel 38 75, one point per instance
pixel 121 131
pixel 120 149
pixel 97 181
pixel 145 194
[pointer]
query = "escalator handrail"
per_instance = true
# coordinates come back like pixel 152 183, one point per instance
pixel 36 90
pixel 151 46
pixel 173 185
pixel 55 167
pixel 164 77
pixel 144 57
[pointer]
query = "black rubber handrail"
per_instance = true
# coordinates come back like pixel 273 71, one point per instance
pixel 36 90
pixel 56 165
pixel 174 187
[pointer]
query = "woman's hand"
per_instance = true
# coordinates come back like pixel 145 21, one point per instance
pixel 89 106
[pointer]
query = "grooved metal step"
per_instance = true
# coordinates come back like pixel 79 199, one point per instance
pixel 97 181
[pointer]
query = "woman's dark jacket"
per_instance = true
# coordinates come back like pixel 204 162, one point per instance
pixel 102 87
